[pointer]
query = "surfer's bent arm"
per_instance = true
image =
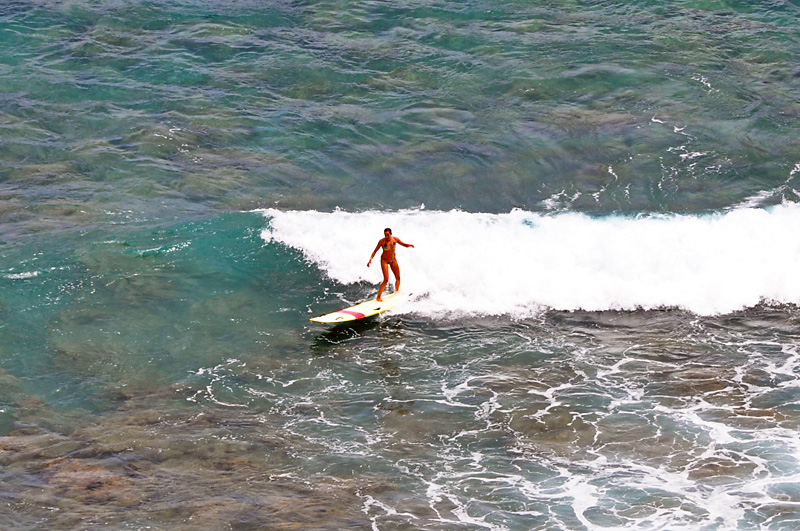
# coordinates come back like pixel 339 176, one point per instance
pixel 397 240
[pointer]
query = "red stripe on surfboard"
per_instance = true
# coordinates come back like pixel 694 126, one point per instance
pixel 357 315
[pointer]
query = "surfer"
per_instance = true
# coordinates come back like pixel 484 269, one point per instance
pixel 388 260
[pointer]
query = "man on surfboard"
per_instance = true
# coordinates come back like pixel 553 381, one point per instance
pixel 388 260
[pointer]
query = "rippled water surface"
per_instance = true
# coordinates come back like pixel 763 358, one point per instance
pixel 604 326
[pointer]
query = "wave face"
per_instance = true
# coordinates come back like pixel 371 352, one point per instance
pixel 520 263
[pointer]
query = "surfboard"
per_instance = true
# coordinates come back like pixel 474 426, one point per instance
pixel 362 310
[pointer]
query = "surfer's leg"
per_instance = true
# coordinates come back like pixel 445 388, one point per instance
pixel 396 271
pixel 385 271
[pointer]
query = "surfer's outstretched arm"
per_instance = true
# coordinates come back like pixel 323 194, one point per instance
pixel 404 244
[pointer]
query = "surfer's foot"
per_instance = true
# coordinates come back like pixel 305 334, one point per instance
pixel 379 299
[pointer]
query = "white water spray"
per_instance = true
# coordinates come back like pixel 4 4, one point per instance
pixel 521 263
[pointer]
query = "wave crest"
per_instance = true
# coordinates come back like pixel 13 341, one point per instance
pixel 520 263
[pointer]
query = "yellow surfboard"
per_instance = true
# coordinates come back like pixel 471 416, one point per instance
pixel 362 310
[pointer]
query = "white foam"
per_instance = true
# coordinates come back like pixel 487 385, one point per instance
pixel 521 262
pixel 22 276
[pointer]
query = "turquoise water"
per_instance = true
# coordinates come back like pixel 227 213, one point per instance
pixel 603 199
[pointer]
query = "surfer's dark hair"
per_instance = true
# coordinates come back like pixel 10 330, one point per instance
pixel 387 229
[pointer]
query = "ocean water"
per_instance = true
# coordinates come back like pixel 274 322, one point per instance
pixel 604 199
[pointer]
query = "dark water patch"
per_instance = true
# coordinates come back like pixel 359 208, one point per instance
pixel 607 87
pixel 141 464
